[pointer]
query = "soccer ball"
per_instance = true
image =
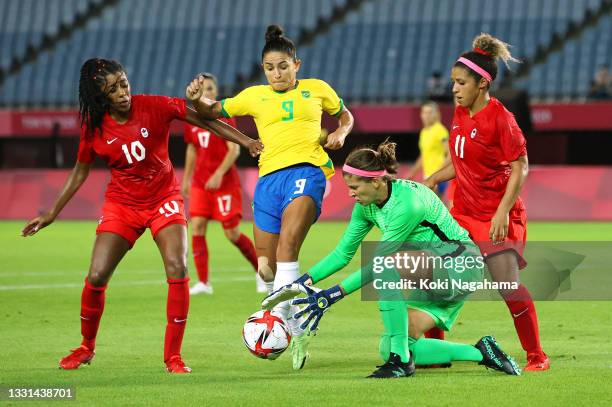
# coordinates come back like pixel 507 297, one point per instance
pixel 265 335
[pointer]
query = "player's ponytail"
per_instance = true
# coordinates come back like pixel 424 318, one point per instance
pixel 365 159
pixel 386 152
pixel 277 41
pixel 93 103
pixel 481 61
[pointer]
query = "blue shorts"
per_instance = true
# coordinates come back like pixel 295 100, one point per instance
pixel 276 190
pixel 442 187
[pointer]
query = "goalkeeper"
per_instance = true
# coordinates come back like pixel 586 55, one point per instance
pixel 405 211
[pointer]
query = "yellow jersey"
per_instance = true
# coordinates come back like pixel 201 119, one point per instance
pixel 432 145
pixel 288 123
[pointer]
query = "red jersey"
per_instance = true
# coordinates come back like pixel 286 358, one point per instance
pixel 137 151
pixel 482 148
pixel 211 150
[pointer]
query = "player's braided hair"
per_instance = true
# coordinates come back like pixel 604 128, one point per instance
pixel 369 159
pixel 277 41
pixel 93 102
pixel 485 53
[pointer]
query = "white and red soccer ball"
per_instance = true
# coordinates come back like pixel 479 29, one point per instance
pixel 266 335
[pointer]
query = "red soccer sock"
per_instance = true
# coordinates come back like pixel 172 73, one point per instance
pixel 200 257
pixel 248 249
pixel 92 306
pixel 435 333
pixel 523 312
pixel 177 309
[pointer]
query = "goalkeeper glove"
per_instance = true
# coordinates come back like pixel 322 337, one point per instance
pixel 286 292
pixel 317 303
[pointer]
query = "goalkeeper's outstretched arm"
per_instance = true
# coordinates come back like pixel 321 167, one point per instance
pixel 344 252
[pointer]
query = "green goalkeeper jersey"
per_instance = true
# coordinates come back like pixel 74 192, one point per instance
pixel 413 213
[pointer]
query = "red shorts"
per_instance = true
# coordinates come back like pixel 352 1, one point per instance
pixel 479 232
pixel 129 222
pixel 224 205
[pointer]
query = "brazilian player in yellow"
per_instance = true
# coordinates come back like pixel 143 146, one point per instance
pixel 293 166
pixel 433 144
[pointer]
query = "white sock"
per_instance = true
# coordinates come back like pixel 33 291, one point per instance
pixel 259 281
pixel 286 273
pixel 269 286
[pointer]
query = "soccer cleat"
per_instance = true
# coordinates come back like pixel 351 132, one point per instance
pixel 299 350
pixel 394 368
pixel 201 288
pixel 495 358
pixel 176 365
pixel 79 356
pixel 537 362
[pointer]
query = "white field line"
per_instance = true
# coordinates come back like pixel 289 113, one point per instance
pixel 68 272
pixel 160 281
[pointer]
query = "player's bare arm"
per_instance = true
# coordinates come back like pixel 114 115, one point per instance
pixel 445 173
pixel 225 131
pixel 233 151
pixel 190 161
pixel 336 139
pixel 499 222
pixel 75 180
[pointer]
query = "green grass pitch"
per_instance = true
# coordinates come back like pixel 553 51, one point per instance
pixel 41 281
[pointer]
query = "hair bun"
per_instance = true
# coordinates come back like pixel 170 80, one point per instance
pixel 273 32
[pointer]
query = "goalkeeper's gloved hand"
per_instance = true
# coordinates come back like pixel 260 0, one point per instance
pixel 287 292
pixel 317 303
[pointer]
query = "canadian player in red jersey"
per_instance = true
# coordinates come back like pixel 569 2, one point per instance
pixel 211 182
pixel 130 133
pixel 489 163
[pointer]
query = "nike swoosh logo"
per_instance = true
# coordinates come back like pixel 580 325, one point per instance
pixel 111 141
pixel 454 127
pixel 520 313
pixel 178 321
pixel 84 318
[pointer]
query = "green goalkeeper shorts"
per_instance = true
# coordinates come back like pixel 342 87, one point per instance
pixel 444 313
pixel 444 302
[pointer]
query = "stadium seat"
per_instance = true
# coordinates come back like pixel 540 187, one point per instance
pixel 383 50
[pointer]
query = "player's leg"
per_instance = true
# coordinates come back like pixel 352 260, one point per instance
pixel 230 213
pixel 109 249
pixel 504 267
pixel 199 248
pixel 267 211
pixel 504 262
pixel 427 351
pixel 394 341
pixel 200 211
pixel 302 189
pixel 241 241
pixel 171 241
pixel 265 249
pixel 231 229
pixel 297 218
